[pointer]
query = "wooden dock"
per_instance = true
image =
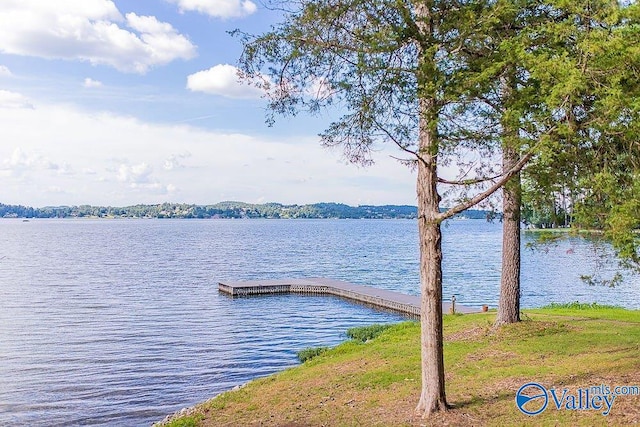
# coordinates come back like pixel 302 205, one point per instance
pixel 378 298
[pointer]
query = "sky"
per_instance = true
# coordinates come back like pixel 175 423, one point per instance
pixel 124 102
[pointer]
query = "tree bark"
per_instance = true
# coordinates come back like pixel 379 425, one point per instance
pixel 432 398
pixel 509 305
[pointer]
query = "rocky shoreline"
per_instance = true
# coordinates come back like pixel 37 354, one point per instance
pixel 185 412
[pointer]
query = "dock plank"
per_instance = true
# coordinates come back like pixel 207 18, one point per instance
pixel 381 298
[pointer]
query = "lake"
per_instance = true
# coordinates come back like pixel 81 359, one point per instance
pixel 119 322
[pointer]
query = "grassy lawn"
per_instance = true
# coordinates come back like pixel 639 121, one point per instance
pixel 377 383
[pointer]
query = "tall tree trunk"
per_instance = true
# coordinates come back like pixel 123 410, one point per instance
pixel 432 398
pixel 509 306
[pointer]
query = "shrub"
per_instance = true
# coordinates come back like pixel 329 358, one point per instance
pixel 366 333
pixel 310 353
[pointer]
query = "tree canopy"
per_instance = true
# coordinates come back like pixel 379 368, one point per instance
pixel 593 179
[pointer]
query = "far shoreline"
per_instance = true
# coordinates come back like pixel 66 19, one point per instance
pixel 228 210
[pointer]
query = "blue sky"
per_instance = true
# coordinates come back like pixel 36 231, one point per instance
pixel 123 102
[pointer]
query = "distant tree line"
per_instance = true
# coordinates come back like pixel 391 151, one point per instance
pixel 225 210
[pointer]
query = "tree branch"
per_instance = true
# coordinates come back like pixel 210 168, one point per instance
pixel 481 196
pixel 468 181
pixel 393 139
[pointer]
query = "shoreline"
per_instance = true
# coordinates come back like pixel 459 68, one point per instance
pixel 378 382
pixel 191 410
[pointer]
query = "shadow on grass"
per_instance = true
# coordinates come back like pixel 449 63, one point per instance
pixel 481 401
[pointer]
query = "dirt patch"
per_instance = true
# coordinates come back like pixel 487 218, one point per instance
pixel 467 334
pixel 626 408
pixel 491 354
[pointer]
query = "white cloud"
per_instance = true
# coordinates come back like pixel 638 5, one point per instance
pixel 55 189
pixel 5 72
pixel 222 80
pixel 21 162
pixel 136 174
pixel 63 169
pixel 89 30
pixel 174 161
pixel 320 88
pixel 19 159
pixel 121 161
pixel 13 100
pixel 218 8
pixel 90 83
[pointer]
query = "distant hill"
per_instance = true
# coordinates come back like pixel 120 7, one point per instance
pixel 224 210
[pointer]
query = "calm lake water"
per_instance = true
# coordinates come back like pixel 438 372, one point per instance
pixel 119 322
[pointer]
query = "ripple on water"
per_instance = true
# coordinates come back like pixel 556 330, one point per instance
pixel 120 322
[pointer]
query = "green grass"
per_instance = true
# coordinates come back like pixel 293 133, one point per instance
pixel 359 334
pixel 376 380
pixel 579 306
pixel 185 422
pixel 310 353
pixel 366 333
pixel 592 311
